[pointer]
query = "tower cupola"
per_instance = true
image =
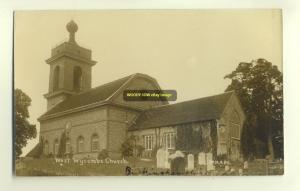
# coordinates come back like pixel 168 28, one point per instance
pixel 70 69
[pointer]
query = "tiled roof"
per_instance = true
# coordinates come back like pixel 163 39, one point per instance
pixel 202 109
pixel 94 95
pixel 34 151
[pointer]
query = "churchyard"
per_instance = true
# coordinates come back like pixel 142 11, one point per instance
pixel 163 165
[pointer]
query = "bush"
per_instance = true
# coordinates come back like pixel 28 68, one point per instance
pixel 139 150
pixel 103 154
pixel 130 147
pixel 222 157
pixel 50 155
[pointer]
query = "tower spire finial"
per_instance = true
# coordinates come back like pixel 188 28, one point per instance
pixel 72 29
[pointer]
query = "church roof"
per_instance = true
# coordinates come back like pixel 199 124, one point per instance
pixel 35 151
pixel 98 95
pixel 207 108
pixel 94 95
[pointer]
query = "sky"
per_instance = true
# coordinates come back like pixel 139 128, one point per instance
pixel 187 50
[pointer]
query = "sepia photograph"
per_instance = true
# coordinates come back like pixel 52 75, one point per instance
pixel 148 92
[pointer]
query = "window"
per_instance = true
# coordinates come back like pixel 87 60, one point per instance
pixel 235 130
pixel 80 144
pixel 46 148
pixel 77 78
pixel 68 146
pixel 95 143
pixel 235 125
pixel 148 142
pixel 56 78
pixel 55 147
pixel 170 140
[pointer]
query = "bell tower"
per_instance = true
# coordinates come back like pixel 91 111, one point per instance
pixel 70 69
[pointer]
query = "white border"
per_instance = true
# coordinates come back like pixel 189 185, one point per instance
pixel 291 67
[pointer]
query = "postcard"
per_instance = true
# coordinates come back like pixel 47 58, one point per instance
pixel 148 92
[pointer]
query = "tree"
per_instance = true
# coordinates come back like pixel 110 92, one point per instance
pixel 130 147
pixel 197 138
pixel 23 129
pixel 247 137
pixel 259 85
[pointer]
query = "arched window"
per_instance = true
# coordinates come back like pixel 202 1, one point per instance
pixel 77 78
pixel 55 147
pixel 235 124
pixel 56 78
pixel 95 143
pixel 46 148
pixel 68 146
pixel 80 144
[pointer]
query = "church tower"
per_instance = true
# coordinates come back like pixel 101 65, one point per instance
pixel 70 69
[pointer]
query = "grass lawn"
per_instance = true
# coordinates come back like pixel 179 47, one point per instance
pixel 49 167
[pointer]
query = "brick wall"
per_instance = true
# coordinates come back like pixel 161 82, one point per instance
pixel 118 122
pixel 83 124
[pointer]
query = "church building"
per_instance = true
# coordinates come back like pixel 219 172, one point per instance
pixel 97 119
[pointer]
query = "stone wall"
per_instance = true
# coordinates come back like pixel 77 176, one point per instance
pixel 233 117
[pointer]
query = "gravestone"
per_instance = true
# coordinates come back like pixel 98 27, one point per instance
pixel 232 170
pixel 201 159
pixel 245 165
pixel 210 162
pixel 190 158
pixel 240 171
pixel 161 158
pixel 210 165
pixel 209 157
pixel 226 168
pixel 167 162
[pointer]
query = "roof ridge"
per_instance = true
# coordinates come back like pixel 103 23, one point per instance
pixel 124 84
pixel 103 85
pixel 186 101
pixel 201 109
pixel 103 93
